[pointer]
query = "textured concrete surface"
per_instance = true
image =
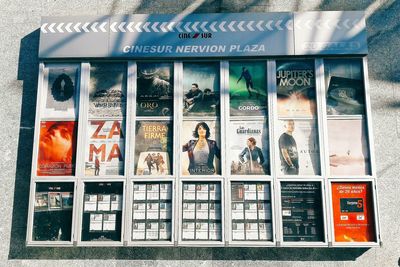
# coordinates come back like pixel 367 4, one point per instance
pixel 18 71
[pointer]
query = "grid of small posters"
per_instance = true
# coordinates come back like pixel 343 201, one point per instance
pixel 152 211
pixel 201 152
pixel 302 214
pixel 348 147
pixel 201 89
pixel 155 87
pixel 107 90
pixel 57 148
pixel 251 211
pixel 61 91
pixel 298 147
pixel 201 211
pixel 105 149
pixel 353 212
pixel 248 88
pixel 102 211
pixel 153 148
pixel 52 220
pixel 295 81
pixel 249 148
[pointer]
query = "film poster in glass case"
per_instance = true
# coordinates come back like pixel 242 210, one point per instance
pixel 106 147
pixel 201 152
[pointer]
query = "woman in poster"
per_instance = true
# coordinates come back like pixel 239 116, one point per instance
pixel 253 157
pixel 201 152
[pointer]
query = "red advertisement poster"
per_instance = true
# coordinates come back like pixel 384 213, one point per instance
pixel 353 212
pixel 57 147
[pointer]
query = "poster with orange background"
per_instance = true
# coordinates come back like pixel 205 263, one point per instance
pixel 353 212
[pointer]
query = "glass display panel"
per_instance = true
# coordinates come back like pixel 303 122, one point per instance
pixel 152 211
pixel 52 218
pixel 251 211
pixel 201 211
pixel 102 211
pixel 61 91
pixel 201 89
pixel 298 147
pixel 344 87
pixel 348 147
pixel 201 152
pixel 105 150
pixel 295 81
pixel 155 88
pixel 248 88
pixel 302 214
pixel 249 148
pixel 57 148
pixel 153 148
pixel 107 90
pixel 353 212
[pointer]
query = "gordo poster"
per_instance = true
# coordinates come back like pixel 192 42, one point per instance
pixel 353 212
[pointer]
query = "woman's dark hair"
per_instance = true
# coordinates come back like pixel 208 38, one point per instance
pixel 205 126
pixel 252 140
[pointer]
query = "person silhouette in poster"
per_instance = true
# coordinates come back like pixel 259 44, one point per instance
pixel 253 157
pixel 249 80
pixel 288 151
pixel 96 166
pixel 201 152
pixel 149 161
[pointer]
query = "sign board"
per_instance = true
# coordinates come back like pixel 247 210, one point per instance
pixel 203 35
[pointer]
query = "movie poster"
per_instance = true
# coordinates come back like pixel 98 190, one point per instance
pixel 248 88
pixel 107 90
pixel 298 147
pixel 353 212
pixel 106 148
pixel 153 149
pixel 295 82
pixel 61 99
pixel 348 147
pixel 302 215
pixel 57 148
pixel 249 148
pixel 155 88
pixel 201 89
pixel 345 87
pixel 52 219
pixel 201 152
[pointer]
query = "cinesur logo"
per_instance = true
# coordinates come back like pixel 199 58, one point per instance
pixel 196 35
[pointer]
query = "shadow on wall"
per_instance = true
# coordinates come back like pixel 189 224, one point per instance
pixel 379 36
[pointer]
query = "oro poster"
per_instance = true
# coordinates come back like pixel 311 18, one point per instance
pixel 57 148
pixel 155 86
pixel 153 149
pixel 295 82
pixel 106 147
pixel 247 88
pixel 201 144
pixel 353 212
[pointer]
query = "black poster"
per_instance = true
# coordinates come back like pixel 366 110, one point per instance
pixel 52 220
pixel 302 211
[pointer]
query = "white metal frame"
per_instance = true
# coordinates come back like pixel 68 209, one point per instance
pixel 177 179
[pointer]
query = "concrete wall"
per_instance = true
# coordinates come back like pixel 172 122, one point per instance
pixel 18 71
